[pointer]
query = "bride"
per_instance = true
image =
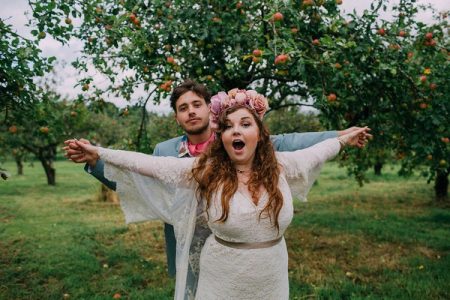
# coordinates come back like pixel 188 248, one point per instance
pixel 241 189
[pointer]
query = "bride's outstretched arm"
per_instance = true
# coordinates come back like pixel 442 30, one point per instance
pixel 167 169
pixel 302 167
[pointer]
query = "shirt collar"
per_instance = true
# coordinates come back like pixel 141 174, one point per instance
pixel 183 150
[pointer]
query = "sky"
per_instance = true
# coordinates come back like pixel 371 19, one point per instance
pixel 14 13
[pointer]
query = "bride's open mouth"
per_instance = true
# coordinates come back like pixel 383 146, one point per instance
pixel 238 144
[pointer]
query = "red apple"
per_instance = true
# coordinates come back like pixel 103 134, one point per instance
pixel 277 17
pixel 44 129
pixel 402 33
pixel 433 86
pixel 257 53
pixel 445 140
pixel 331 97
pixel 281 59
pixel 171 60
pixel 428 35
pixel 423 78
pixel 294 30
pixel 316 42
pixel 13 129
pixel 381 31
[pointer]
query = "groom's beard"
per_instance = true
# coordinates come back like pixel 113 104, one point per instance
pixel 199 130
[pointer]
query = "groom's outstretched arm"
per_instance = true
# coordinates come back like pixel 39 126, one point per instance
pixel 99 173
pixel 297 141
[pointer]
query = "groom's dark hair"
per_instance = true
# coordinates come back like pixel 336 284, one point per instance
pixel 189 85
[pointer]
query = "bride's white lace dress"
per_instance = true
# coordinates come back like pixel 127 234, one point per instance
pixel 159 188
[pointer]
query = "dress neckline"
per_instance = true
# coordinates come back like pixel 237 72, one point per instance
pixel 264 194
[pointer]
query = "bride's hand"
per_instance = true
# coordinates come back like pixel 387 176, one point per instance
pixel 357 138
pixel 87 151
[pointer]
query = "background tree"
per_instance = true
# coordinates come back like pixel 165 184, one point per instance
pixel 53 121
pixel 20 62
pixel 389 75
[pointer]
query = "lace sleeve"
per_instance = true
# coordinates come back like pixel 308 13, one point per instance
pixel 148 185
pixel 170 170
pixel 302 167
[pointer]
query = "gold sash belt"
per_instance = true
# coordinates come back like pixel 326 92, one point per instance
pixel 243 245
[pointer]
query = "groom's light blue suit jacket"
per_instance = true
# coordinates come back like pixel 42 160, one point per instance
pixel 283 142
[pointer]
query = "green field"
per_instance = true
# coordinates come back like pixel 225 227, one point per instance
pixel 387 240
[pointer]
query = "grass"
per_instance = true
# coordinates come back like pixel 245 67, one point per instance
pixel 387 240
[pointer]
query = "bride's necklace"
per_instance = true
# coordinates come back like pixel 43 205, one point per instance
pixel 243 171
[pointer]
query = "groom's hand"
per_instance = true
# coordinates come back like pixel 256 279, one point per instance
pixel 353 129
pixel 356 138
pixel 75 153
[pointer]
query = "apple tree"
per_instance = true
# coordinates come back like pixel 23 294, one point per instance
pixel 43 127
pixel 357 70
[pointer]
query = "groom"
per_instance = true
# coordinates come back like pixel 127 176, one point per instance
pixel 190 102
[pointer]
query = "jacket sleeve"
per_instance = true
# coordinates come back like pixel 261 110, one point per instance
pixel 298 141
pixel 99 174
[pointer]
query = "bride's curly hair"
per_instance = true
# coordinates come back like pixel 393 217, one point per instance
pixel 215 172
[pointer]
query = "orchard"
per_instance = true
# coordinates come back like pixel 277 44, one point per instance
pixel 355 69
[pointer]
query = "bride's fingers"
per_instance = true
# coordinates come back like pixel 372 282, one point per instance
pixel 76 156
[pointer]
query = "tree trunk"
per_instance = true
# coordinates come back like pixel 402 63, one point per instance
pixel 19 165
pixel 47 155
pixel 441 185
pixel 108 195
pixel 377 168
pixel 49 171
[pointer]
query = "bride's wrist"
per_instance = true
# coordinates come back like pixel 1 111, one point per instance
pixel 342 142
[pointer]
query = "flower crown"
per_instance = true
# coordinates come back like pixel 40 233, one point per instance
pixel 246 98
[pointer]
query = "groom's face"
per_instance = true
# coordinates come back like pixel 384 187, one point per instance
pixel 192 113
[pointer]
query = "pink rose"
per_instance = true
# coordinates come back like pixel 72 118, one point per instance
pixel 251 94
pixel 215 104
pixel 232 93
pixel 260 105
pixel 240 98
pixel 223 96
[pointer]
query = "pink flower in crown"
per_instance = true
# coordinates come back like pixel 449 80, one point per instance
pixel 216 104
pixel 232 93
pixel 260 104
pixel 241 98
pixel 251 94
